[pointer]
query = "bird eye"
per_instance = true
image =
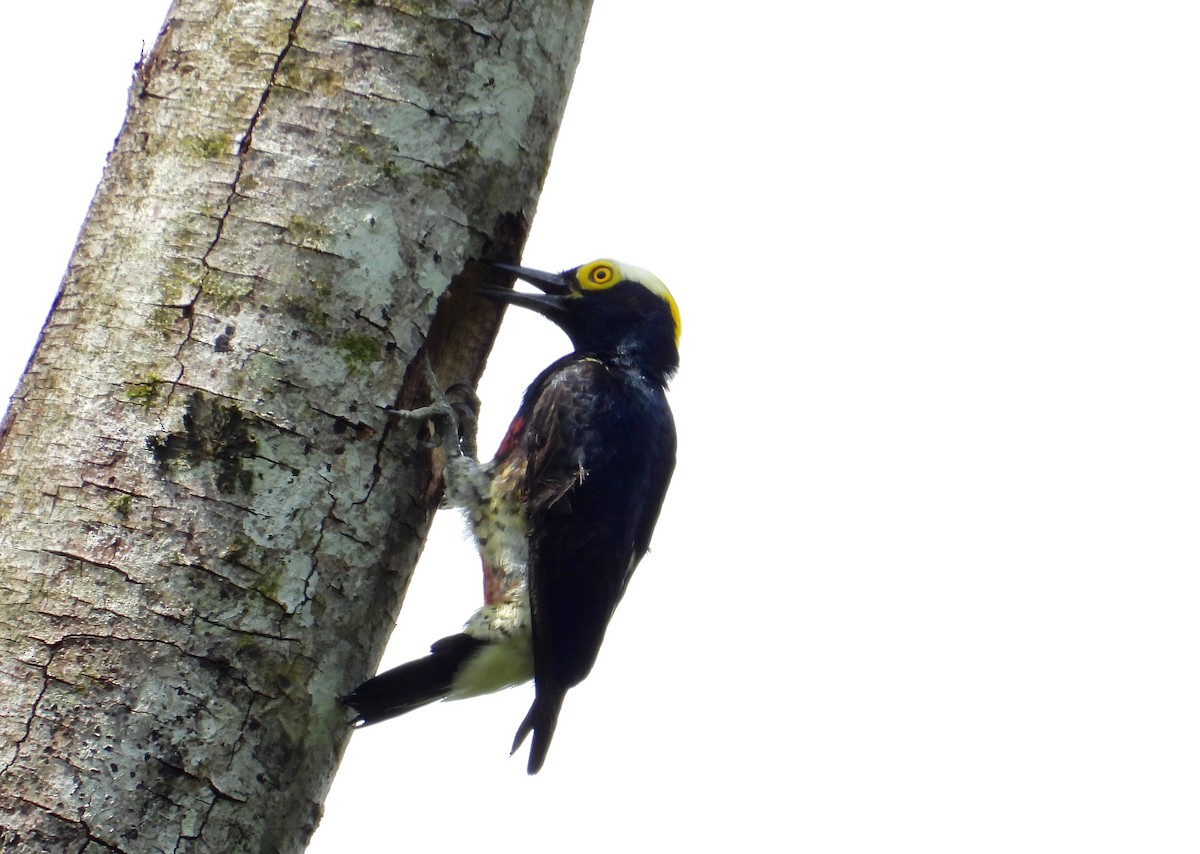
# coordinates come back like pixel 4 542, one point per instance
pixel 598 275
pixel 601 275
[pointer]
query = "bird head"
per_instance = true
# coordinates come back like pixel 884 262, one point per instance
pixel 608 309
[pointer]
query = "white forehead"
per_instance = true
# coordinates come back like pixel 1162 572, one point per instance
pixel 643 276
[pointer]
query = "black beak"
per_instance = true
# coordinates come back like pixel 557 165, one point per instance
pixel 555 286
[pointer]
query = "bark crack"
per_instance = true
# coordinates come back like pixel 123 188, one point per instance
pixel 314 561
pixel 189 308
pixel 67 819
pixel 248 137
pixel 376 47
pixel 28 721
pixel 427 110
pixel 91 562
pixel 277 636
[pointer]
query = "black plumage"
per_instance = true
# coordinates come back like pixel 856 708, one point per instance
pixel 584 468
pixel 600 448
pixel 414 684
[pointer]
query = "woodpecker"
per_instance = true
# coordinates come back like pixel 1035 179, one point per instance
pixel 565 511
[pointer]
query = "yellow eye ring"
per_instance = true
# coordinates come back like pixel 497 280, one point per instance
pixel 598 275
pixel 601 275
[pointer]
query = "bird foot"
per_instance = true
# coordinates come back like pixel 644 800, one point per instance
pixel 453 415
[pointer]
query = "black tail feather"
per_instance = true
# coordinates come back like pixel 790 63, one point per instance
pixel 541 720
pixel 414 684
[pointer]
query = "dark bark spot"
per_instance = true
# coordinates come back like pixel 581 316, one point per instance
pixel 213 432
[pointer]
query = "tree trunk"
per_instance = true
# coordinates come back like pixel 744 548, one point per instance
pixel 208 513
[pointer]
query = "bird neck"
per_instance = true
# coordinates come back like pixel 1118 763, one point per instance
pixel 658 364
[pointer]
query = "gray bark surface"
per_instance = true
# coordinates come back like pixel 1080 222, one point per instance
pixel 208 513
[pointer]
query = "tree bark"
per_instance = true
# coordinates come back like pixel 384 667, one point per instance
pixel 208 512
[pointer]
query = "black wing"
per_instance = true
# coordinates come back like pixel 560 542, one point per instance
pixel 601 449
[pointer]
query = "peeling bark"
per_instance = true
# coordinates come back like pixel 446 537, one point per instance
pixel 208 513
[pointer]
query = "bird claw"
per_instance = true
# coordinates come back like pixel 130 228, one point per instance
pixel 464 403
pixel 453 415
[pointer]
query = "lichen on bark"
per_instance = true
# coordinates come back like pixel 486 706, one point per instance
pixel 208 509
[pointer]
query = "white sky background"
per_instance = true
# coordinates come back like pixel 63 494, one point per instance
pixel 928 575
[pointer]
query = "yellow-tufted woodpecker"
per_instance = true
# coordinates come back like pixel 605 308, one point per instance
pixel 565 511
